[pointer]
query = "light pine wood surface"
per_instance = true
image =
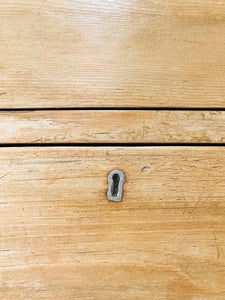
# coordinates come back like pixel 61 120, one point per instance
pixel 62 239
pixel 112 126
pixel 102 53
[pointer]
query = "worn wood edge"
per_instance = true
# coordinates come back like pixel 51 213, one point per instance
pixel 112 126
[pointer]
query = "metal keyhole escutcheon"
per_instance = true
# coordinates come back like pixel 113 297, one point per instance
pixel 116 179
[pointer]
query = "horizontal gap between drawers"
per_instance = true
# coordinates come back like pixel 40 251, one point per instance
pixel 109 108
pixel 113 145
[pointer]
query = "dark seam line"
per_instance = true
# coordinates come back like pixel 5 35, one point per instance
pixel 109 108
pixel 113 145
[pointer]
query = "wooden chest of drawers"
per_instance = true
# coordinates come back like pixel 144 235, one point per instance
pixel 92 86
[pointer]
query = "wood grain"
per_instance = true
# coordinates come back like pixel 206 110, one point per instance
pixel 60 238
pixel 112 126
pixel 122 53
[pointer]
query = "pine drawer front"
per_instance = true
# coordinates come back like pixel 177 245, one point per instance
pixel 122 53
pixel 112 126
pixel 84 85
pixel 62 239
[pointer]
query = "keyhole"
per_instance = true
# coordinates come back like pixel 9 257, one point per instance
pixel 116 179
pixel 115 185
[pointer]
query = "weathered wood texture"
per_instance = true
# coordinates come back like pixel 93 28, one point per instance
pixel 62 239
pixel 63 53
pixel 113 126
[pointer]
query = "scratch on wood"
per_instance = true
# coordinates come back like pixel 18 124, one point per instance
pixel 5 175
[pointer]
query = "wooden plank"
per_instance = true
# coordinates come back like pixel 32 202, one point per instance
pixel 112 126
pixel 122 53
pixel 60 238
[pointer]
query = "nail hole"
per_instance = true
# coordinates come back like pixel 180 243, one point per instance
pixel 145 169
pixel 115 185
